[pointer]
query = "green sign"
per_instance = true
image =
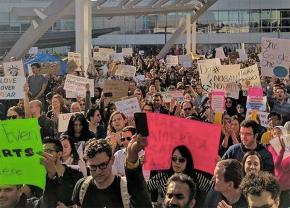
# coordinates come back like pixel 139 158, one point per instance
pixel 19 162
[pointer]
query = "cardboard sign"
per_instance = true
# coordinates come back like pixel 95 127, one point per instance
pixel 14 68
pixel 219 53
pixel 117 57
pixel 127 51
pixel 205 68
pixel 169 95
pixel 275 57
pixel 249 77
pixel 167 132
pixel 277 145
pixel 128 106
pixel 63 120
pixel 75 57
pixel 12 88
pixel 125 71
pixel 20 142
pixel 171 60
pixel 185 60
pixel 115 89
pixel 218 101
pixel 78 84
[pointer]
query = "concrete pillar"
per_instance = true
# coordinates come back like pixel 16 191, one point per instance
pixel 83 29
pixel 193 39
pixel 188 33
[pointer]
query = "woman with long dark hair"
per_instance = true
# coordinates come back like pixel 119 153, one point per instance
pixel 96 123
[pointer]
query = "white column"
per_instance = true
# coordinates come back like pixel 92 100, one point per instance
pixel 193 40
pixel 188 33
pixel 83 30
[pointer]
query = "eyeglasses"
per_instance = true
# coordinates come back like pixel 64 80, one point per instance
pixel 11 117
pixel 187 109
pixel 246 134
pixel 126 138
pixel 178 159
pixel 101 166
pixel 82 104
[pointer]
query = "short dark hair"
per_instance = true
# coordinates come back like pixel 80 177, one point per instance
pixel 57 144
pixel 251 124
pixel 93 147
pixel 37 65
pixel 157 94
pixel 250 153
pixel 255 183
pixel 273 113
pixel 232 171
pixel 132 129
pixel 183 178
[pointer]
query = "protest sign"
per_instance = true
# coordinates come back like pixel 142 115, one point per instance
pixel 263 116
pixel 249 77
pixel 78 85
pixel 63 120
pixel 101 56
pixel 20 142
pixel 169 95
pixel 128 106
pixel 205 68
pixel 141 53
pixel 117 57
pixel 185 60
pixel 140 79
pixel 219 53
pixel 275 58
pixel 256 100
pixel 167 132
pixel 12 88
pixel 275 142
pixel 74 57
pixel 218 101
pixel 14 68
pixel 127 51
pixel 114 89
pixel 242 55
pixel 171 60
pixel 125 71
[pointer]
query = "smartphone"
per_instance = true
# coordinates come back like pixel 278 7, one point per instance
pixel 108 94
pixel 141 124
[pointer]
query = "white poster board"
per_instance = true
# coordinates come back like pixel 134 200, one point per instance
pixel 171 60
pixel 78 85
pixel 125 71
pixel 185 60
pixel 242 55
pixel 249 77
pixel 169 95
pixel 127 51
pixel 219 53
pixel 63 120
pixel 14 68
pixel 12 87
pixel 117 57
pixel 128 106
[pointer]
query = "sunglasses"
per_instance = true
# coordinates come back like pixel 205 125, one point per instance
pixel 187 109
pixel 125 138
pixel 101 166
pixel 12 117
pixel 178 159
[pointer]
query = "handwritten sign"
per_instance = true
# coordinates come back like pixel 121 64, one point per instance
pixel 77 84
pixel 127 51
pixel 20 163
pixel 115 89
pixel 275 57
pixel 14 68
pixel 171 60
pixel 167 132
pixel 125 71
pixel 219 53
pixel 275 142
pixel 12 88
pixel 70 94
pixel 118 57
pixel 169 95
pixel 63 120
pixel 128 106
pixel 185 60
pixel 101 56
pixel 249 77
pixel 218 101
pixel 205 68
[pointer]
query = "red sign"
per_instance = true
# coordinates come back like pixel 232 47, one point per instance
pixel 167 132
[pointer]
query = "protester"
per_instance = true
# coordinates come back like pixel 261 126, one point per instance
pixel 96 124
pixel 252 162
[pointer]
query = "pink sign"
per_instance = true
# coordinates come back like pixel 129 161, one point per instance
pixel 167 132
pixel 255 91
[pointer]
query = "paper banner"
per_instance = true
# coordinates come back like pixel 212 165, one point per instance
pixel 249 77
pixel 20 142
pixel 12 88
pixel 14 68
pixel 128 106
pixel 125 71
pixel 167 132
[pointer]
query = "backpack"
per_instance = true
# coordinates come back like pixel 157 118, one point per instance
pixel 123 186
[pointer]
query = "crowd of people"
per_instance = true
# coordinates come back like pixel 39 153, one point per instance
pixel 98 161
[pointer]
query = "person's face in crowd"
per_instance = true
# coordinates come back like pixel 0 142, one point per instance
pixel 138 93
pixel 274 121
pixel 229 103
pixel 82 105
pixel 75 107
pixel 147 108
pixel 252 163
pixel 152 89
pixel 220 184
pixel 35 70
pixel 264 200
pixel 21 103
pixel 78 127
pixel 100 167
pixel 112 109
pixel 280 94
pixel 132 86
pixel 50 149
pixel 235 125
pixel 97 117
pixel 184 80
pixel 187 109
pixel 157 101
pixel 276 132
pixel 55 104
pixel 66 148
pixel 126 138
pixel 12 115
pixel 9 196
pixel 240 108
pixel 177 195
pixel 34 108
pixel 97 92
pixel 157 83
pixel 118 122
pixel 248 137
pixel 187 97
pixel 171 88
pixel 178 162
pixel 198 89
